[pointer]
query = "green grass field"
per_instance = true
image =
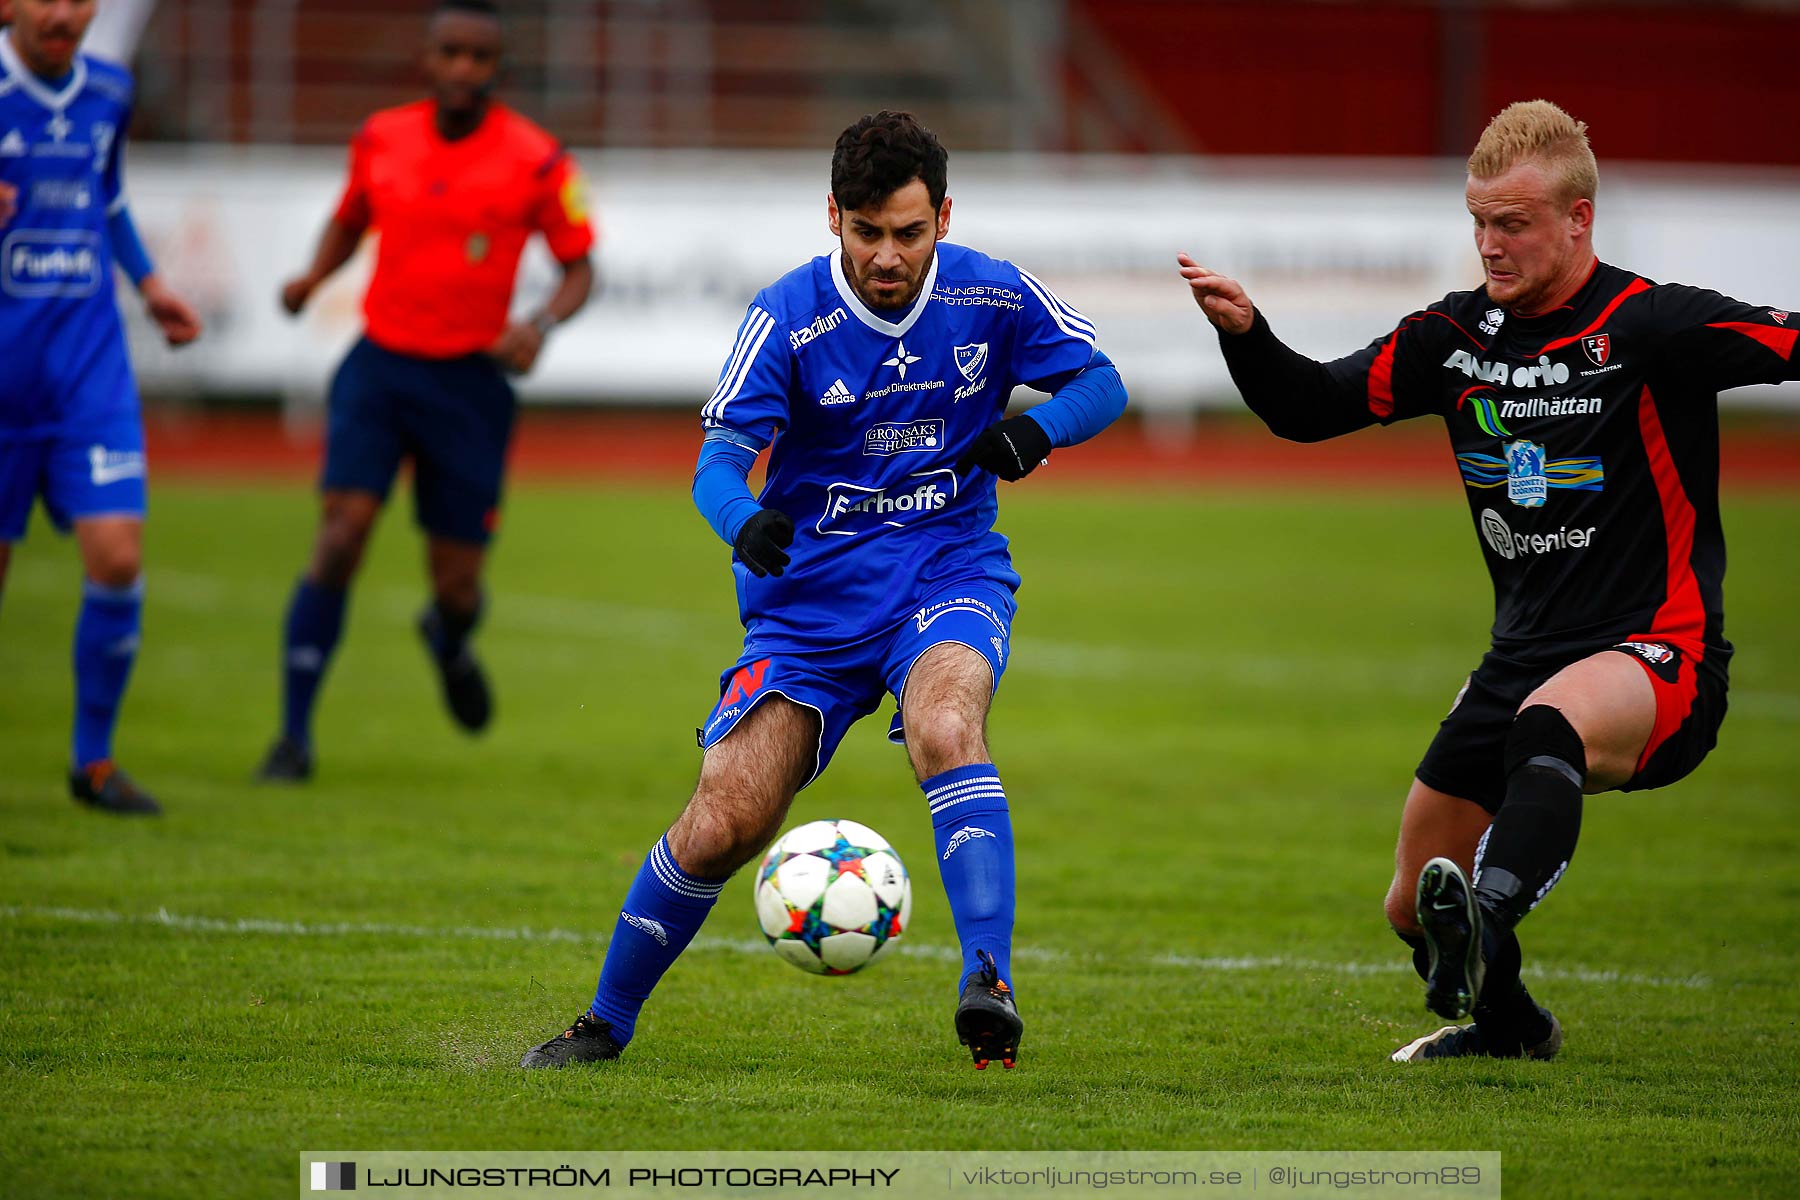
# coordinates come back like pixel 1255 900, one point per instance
pixel 1214 708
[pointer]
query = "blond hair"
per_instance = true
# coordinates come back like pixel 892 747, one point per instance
pixel 1538 131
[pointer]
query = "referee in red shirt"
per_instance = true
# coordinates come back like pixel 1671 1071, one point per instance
pixel 456 185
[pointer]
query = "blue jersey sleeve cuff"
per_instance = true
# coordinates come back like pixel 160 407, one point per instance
pixel 1084 405
pixel 720 491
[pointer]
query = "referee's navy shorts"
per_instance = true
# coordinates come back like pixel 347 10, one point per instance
pixel 453 417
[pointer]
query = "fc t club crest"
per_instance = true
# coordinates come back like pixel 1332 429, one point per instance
pixel 1598 348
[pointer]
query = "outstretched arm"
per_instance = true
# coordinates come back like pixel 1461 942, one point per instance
pixel 1297 397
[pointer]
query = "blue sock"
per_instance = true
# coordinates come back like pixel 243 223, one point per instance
pixel 663 911
pixel 315 618
pixel 106 642
pixel 975 858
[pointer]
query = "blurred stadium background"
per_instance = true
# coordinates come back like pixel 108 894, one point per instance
pixel 1311 148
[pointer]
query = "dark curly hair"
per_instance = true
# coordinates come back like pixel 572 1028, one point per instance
pixel 881 154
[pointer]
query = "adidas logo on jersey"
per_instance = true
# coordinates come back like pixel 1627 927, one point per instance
pixel 837 393
pixel 12 145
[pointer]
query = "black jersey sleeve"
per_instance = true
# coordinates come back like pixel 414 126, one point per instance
pixel 1721 342
pixel 1305 400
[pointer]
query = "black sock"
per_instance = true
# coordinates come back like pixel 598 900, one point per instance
pixel 449 628
pixel 1421 953
pixel 1506 1013
pixel 1533 836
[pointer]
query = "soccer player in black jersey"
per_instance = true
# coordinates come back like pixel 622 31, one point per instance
pixel 1582 404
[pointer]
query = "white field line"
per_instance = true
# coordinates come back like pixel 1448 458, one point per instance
pixel 937 953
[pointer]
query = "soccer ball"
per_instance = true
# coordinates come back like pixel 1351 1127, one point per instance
pixel 832 896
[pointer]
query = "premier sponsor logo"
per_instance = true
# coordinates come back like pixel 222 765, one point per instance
pixel 51 262
pixel 1508 544
pixel 1541 374
pixel 1540 406
pixel 851 508
pixel 822 325
pixel 903 437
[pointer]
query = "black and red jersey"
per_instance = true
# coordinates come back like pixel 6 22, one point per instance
pixel 1587 437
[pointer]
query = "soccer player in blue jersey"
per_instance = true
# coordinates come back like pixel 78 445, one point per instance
pixel 869 565
pixel 69 425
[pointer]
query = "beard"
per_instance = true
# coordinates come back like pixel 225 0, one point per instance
pixel 887 300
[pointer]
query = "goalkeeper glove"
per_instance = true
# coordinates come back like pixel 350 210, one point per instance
pixel 762 542
pixel 1011 449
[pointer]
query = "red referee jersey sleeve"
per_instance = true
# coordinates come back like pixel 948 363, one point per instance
pixel 353 206
pixel 1725 343
pixel 562 209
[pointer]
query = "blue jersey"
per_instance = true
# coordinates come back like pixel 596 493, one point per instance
pixel 867 417
pixel 60 333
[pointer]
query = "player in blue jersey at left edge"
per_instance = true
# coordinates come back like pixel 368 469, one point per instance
pixel 69 425
pixel 869 565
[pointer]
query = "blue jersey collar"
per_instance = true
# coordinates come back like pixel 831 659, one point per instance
pixel 20 74
pixel 854 302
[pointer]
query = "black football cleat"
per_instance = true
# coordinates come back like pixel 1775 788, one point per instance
pixel 987 1019
pixel 286 762
pixel 1467 1041
pixel 589 1039
pixel 1451 922
pixel 103 786
pixel 464 683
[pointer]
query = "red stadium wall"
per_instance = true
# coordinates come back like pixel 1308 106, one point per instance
pixel 1690 83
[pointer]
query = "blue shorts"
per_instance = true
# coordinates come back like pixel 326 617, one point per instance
pixel 96 473
pixel 845 684
pixel 452 416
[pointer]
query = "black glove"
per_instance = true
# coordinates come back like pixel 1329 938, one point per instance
pixel 762 542
pixel 1011 449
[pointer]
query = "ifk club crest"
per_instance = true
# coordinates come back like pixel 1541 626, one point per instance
pixel 1527 483
pixel 1597 347
pixel 971 359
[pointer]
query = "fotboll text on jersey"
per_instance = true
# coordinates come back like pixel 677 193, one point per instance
pixel 1542 373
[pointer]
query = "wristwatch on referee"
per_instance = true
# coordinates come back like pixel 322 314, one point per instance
pixel 544 322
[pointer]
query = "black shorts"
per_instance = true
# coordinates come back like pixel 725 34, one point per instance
pixel 1467 757
pixel 453 417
